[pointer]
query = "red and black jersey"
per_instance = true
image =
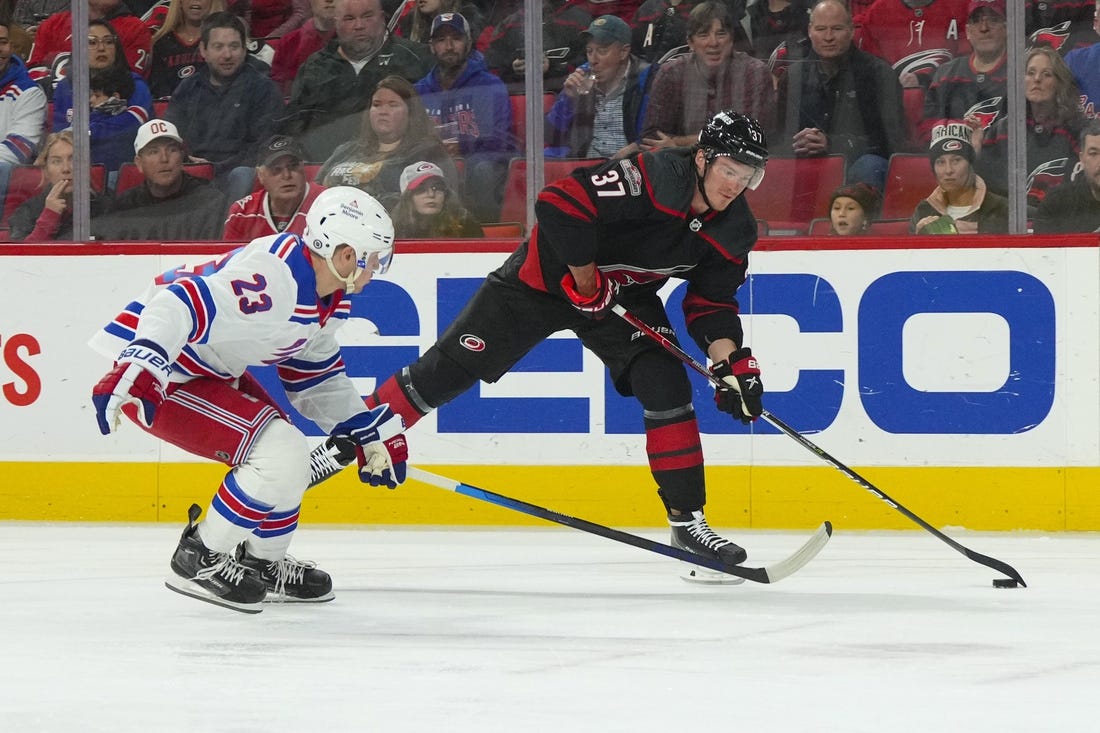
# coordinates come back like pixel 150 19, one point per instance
pixel 173 61
pixel 1064 25
pixel 54 37
pixel 958 91
pixel 915 40
pixel 633 218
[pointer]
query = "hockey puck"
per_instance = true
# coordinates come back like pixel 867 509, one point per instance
pixel 1005 583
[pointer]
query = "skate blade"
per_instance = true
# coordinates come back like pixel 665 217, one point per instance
pixel 703 576
pixel 188 588
pixel 277 598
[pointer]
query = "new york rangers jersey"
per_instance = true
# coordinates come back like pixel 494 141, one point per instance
pixel 254 306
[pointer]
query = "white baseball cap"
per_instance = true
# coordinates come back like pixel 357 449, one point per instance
pixel 417 173
pixel 154 129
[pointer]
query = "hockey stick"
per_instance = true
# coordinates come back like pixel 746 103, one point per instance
pixel 331 456
pixel 686 358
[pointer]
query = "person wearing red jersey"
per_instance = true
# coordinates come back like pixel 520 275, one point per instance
pixel 284 196
pixel 54 41
pixel 296 46
pixel 914 36
pixel 617 233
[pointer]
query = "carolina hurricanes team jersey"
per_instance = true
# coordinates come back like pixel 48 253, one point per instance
pixel 254 306
pixel 633 218
pixel 250 217
pixel 958 92
pixel 915 40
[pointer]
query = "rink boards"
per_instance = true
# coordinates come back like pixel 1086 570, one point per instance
pixel 961 381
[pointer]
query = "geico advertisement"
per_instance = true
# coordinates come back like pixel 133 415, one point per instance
pixel 930 358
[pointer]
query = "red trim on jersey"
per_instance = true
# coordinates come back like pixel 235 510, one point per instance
pixel 392 394
pixel 673 447
pixel 696 307
pixel 530 272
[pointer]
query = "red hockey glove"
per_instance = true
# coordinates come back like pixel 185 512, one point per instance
pixel 597 306
pixel 140 376
pixel 382 451
pixel 741 395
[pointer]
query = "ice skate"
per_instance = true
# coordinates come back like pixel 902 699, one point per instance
pixel 291 581
pixel 692 533
pixel 214 577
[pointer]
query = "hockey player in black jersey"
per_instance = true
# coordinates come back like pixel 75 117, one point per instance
pixel 615 234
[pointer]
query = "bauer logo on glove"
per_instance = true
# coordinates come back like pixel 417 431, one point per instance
pixel 742 390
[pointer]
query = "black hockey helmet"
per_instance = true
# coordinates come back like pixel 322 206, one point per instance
pixel 737 136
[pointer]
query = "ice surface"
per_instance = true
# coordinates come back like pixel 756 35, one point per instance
pixel 552 630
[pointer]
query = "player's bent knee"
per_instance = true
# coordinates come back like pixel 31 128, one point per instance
pixel 659 382
pixel 438 378
pixel 279 459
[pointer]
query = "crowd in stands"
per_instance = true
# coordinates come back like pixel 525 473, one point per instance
pixel 217 119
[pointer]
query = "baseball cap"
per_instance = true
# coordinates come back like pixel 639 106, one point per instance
pixel 279 146
pixel 153 130
pixel 608 29
pixel 997 6
pixel 450 20
pixel 953 137
pixel 418 173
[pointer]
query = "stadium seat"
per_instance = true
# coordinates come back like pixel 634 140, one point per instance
pixel 820 228
pixel 909 179
pixel 514 206
pixel 519 116
pixel 889 227
pixel 503 229
pixel 129 175
pixel 913 102
pixel 160 106
pixel 795 191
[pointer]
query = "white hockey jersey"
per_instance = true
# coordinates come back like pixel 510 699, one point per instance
pixel 254 306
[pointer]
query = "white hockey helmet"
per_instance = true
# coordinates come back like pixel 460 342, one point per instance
pixel 346 215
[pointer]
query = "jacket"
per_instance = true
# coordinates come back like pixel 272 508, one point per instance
pixel 112 134
pixel 22 114
pixel 477 101
pixel 987 215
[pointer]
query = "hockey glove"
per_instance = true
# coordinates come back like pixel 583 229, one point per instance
pixel 741 394
pixel 381 448
pixel 140 376
pixel 596 306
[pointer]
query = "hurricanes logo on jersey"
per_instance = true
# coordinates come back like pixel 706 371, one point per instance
pixel 470 342
pixel 1055 36
pixel 928 60
pixel 1046 176
pixel 986 111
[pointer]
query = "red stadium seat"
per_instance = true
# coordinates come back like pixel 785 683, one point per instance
pixel 913 102
pixel 514 206
pixel 820 228
pixel 519 116
pixel 909 179
pixel 503 229
pixel 889 228
pixel 795 191
pixel 129 175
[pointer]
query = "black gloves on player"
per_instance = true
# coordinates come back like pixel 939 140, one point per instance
pixel 741 395
pixel 597 306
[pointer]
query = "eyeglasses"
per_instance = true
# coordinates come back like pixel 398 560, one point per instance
pixel 94 41
pixel 432 188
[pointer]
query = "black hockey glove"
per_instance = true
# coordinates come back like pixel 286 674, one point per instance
pixel 597 306
pixel 741 395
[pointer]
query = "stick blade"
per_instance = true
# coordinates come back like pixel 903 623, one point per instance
pixel 803 555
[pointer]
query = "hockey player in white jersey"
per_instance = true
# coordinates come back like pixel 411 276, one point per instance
pixel 180 358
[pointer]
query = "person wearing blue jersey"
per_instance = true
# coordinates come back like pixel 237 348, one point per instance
pixel 181 353
pixel 22 109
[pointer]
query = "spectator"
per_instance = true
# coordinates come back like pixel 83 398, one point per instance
pixel 852 208
pixel 1053 126
pixel 29 13
pixel 296 46
pixel 1074 206
pixel 563 51
pixel 660 29
pixel 417 24
pixel 960 203
pixel 429 208
pixel 53 42
pixel 395 132
pixel 601 107
pixel 22 110
pixel 1065 25
pixel 18 36
pixel 1085 65
pixel 775 23
pixel 170 204
pixel 48 215
pixel 914 36
pixel 176 53
pixel 334 85
pixel 113 126
pixel 274 18
pixel 226 109
pixel 461 95
pixel 688 91
pixel 848 103
pixel 281 202
pixel 972 88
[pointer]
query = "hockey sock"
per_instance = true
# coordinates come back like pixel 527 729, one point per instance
pixel 676 458
pixel 272 536
pixel 233 515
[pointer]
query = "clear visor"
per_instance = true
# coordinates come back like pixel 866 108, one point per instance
pixel 377 262
pixel 755 179
pixel 746 173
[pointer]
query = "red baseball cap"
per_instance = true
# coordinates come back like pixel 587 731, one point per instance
pixel 997 6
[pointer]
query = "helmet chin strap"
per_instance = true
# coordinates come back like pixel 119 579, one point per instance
pixel 349 281
pixel 700 179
